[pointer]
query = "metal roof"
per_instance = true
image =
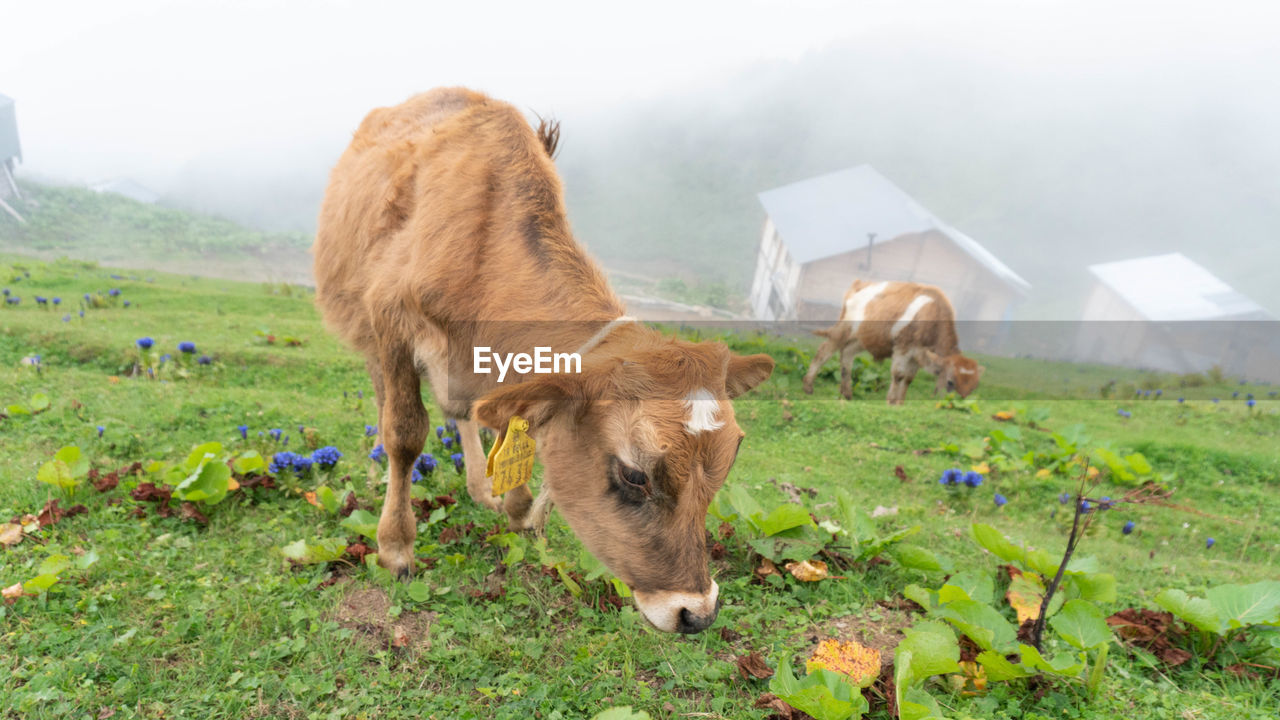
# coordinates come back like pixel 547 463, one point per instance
pixel 1172 287
pixel 834 213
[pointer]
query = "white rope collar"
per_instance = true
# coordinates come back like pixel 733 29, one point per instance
pixel 603 333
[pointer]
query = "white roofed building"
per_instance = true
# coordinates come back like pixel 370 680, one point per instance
pixel 823 233
pixel 1165 312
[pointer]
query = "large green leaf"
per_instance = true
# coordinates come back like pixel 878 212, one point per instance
pixel 622 713
pixel 54 564
pixel 322 551
pixel 741 500
pixel 968 585
pixel 782 518
pixel 813 696
pixel 1062 664
pixel 56 473
pixel 855 522
pixel 207 484
pixel 917 704
pixel 199 453
pixel 924 597
pixel 39 402
pixel 1082 624
pixel 1195 611
pixel 363 523
pixel 984 625
pixel 933 650
pixel 1241 605
pixel 75 460
pixel 917 558
pixel 1095 587
pixel 999 668
pixel 249 461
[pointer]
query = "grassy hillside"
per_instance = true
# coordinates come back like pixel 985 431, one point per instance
pixel 177 618
pixel 116 230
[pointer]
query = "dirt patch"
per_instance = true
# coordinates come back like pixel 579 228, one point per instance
pixel 882 635
pixel 364 612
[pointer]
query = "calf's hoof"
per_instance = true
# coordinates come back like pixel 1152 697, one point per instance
pixel 808 388
pixel 398 563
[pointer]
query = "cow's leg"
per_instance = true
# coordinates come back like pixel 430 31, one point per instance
pixel 379 395
pixel 479 487
pixel 903 370
pixel 403 427
pixel 825 350
pixel 847 354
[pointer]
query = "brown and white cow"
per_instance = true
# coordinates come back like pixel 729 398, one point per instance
pixel 443 230
pixel 912 323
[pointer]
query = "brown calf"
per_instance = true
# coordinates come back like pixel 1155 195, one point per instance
pixel 443 230
pixel 912 323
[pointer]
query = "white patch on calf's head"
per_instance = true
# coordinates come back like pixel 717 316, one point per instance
pixel 966 371
pixel 703 410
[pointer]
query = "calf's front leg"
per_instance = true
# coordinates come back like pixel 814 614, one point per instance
pixel 825 350
pixel 404 433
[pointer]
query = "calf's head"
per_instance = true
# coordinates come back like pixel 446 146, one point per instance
pixel 633 449
pixel 955 373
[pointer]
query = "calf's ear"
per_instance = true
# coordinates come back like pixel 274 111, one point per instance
pixel 745 372
pixel 537 401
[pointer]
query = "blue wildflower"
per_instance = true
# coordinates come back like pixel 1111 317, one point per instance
pixel 127 303
pixel 1235 394
pixel 1106 503
pixel 244 431
pixel 100 431
pixel 972 479
pixel 457 461
pixel 1249 396
pixel 1159 392
pixel 57 301
pixel 1251 402
pixel 1208 542
pixel 6 292
pixel 439 432
pixel 187 346
pixel 114 292
pixel 66 318
pixel 1128 528
pixel 951 476
pixel 301 464
pixel 1124 413
pixel 301 429
pixel 87 298
pixel 1182 400
pixel 13 300
pixel 116 277
pixel 452 425
pixel 370 430
pixel 1064 498
pixel 414 475
pixel 378 454
pixel 40 300
pixel 145 343
pixel 1000 500
pixel 360 394
pixel 275 433
pixel 165 358
pixel 448 442
pixel 425 464
pixel 1215 401
pixel 81 313
pixel 281 461
pixel 1085 506
pixel 326 457
pixel 205 360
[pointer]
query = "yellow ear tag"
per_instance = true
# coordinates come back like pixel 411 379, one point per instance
pixel 510 461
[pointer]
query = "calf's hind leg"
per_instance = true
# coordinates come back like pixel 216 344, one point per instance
pixel 404 432
pixel 903 369
pixel 825 350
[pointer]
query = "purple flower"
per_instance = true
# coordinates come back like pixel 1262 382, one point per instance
pixel 326 457
pixel 145 343
pixel 1064 498
pixel 127 303
pixel 66 318
pixel 57 301
pixel 114 292
pixel 13 300
pixel 457 461
pixel 1106 503
pixel 1215 401
pixel 425 464
pixel 282 461
pixel 6 292
pixel 205 360
pixel 1182 400
pixel 42 300
pixel 1208 542
pixel 448 442
pixel 1000 500
pixel 165 358
pixel 439 432
pixel 1085 506
pixel 370 430
pixel 1235 394
pixel 187 346
pixel 1251 402
pixel 951 476
pixel 100 431
pixel 1124 413
pixel 275 433
pixel 378 454
pixel 1128 528
pixel 451 425
pixel 244 431
pixel 972 479
pixel 301 429
pixel 81 313
pixel 87 298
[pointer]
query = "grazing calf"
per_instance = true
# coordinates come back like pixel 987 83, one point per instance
pixel 443 231
pixel 912 323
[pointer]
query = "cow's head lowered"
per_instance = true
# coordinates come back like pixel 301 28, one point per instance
pixel 633 449
pixel 954 372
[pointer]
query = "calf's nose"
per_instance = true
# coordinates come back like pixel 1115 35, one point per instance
pixel 690 623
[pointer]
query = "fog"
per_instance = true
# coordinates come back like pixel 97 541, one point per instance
pixel 1057 134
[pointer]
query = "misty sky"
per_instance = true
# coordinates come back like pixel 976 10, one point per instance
pixel 144 87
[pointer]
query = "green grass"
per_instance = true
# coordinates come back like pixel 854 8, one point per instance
pixel 179 620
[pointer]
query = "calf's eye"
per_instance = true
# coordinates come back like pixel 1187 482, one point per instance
pixel 634 476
